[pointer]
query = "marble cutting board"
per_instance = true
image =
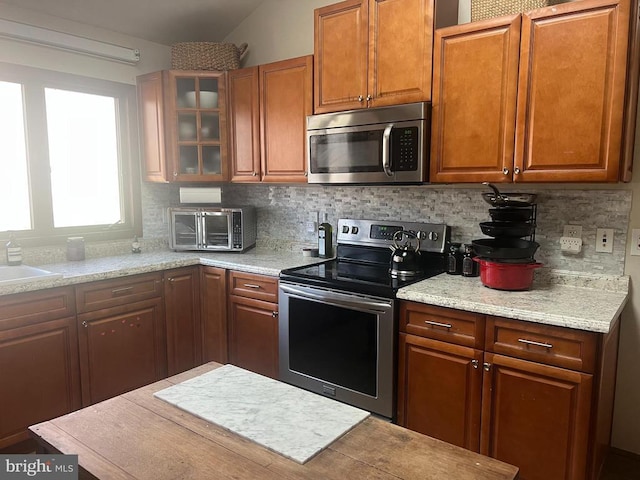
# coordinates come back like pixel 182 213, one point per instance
pixel 288 420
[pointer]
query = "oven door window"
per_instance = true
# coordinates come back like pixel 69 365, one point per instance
pixel 334 344
pixel 346 152
pixel 216 230
pixel 185 229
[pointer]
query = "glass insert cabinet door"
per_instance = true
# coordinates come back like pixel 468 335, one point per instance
pixel 199 150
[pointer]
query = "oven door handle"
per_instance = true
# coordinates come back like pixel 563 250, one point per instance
pixel 340 299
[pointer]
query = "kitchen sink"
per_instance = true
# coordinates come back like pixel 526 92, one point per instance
pixel 11 275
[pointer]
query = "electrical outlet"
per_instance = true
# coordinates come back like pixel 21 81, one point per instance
pixel 604 240
pixel 570 244
pixel 574 231
pixel 312 222
pixel 635 241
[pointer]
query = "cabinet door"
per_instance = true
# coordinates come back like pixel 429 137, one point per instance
pixel 400 46
pixel 196 129
pixel 536 417
pixel 214 314
pixel 121 348
pixel 244 124
pixel 475 73
pixel 182 318
pixel 340 56
pixel 151 115
pixel 253 335
pixel 285 101
pixel 571 92
pixel 439 390
pixel 39 376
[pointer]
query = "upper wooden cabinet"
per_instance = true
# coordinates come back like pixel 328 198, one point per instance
pixel 183 126
pixel 532 98
pixel 372 53
pixel 268 109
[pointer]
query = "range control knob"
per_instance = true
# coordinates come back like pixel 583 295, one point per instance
pixel 421 235
pixel 355 230
pixel 433 236
pixel 345 229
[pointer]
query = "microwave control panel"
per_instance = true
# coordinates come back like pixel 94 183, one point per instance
pixel 404 147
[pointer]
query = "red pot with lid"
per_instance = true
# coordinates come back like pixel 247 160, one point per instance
pixel 506 276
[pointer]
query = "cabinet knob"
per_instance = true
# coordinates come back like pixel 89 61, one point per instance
pixel 274 314
pixel 253 174
pixel 486 366
pixel 175 174
pixel 505 171
pixel 516 171
pixel 360 98
pixel 369 98
pixel 85 324
pixel 475 364
pixel 171 279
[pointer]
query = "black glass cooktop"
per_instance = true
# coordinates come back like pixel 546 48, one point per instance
pixel 372 279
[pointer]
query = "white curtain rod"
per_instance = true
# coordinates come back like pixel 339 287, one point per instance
pixel 65 41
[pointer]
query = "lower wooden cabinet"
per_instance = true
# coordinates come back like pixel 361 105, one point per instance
pixel 253 323
pixel 213 307
pixel 536 396
pixel 121 348
pixel 182 318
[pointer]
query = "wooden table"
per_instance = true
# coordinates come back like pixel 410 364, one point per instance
pixel 137 436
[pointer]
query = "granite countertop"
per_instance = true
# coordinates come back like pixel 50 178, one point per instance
pixel 566 299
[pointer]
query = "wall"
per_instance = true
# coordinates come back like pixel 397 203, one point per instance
pixel 153 56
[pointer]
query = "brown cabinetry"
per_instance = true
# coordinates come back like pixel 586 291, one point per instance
pixel 183 126
pixel 182 319
pixel 213 306
pixel 550 83
pixel 121 335
pixel 268 107
pixel 371 53
pixel 39 357
pixel 537 396
pixel 253 322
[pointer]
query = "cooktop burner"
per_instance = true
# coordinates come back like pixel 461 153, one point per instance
pixel 364 258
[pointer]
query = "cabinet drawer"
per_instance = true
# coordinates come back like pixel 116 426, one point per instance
pixel 548 344
pixel 110 293
pixel 34 307
pixel 250 285
pixel 445 324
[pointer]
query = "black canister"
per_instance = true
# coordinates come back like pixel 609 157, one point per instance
pixel 454 259
pixel 469 267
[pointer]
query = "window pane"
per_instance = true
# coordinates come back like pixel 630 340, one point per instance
pixel 83 152
pixel 15 205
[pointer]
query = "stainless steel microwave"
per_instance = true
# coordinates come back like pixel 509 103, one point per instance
pixel 374 145
pixel 214 229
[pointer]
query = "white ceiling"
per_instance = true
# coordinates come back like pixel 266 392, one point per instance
pixel 161 21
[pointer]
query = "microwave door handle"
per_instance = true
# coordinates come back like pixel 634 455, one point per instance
pixel 386 143
pixel 201 230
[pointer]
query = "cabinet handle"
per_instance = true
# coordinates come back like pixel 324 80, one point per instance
pixel 360 98
pixel 486 366
pixel 537 344
pixel 516 171
pixel 505 171
pixel 274 314
pixel 438 324
pixel 121 291
pixel 85 324
pixel 475 364
pixel 251 285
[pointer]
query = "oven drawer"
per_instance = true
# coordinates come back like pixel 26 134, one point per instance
pixel 445 324
pixel 255 286
pixel 548 344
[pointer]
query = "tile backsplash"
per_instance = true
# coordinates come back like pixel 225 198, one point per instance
pixel 283 212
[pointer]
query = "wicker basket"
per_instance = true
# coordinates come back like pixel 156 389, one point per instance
pixel 483 9
pixel 207 56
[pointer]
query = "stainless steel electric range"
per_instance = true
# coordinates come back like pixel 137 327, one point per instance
pixel 338 323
